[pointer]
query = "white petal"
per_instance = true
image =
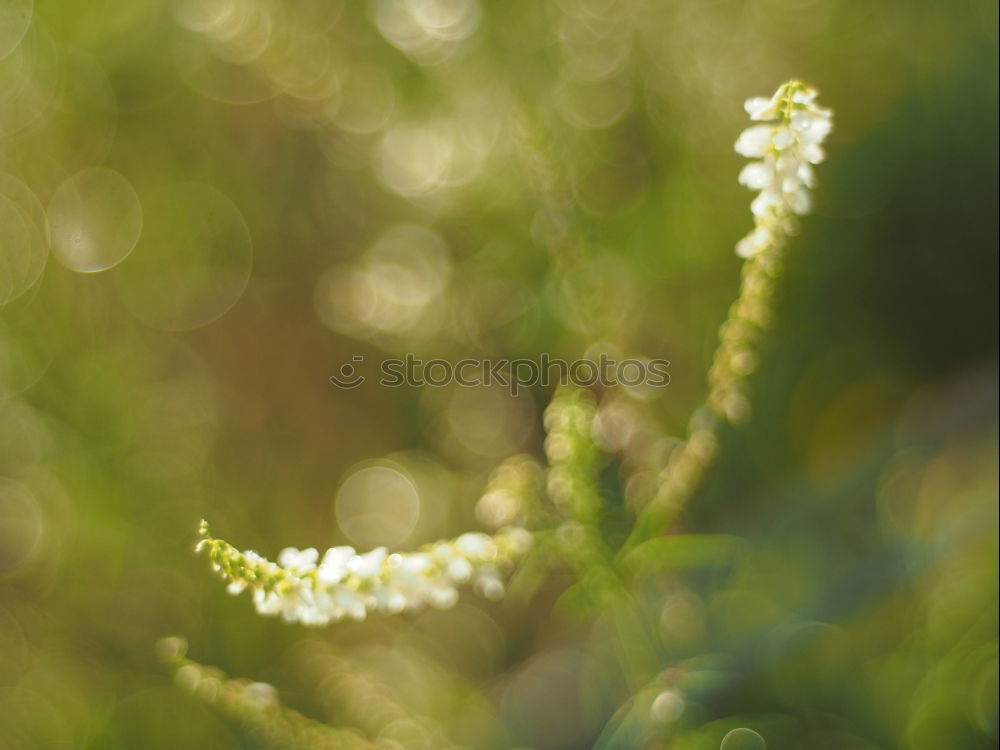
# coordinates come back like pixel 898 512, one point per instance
pixel 323 604
pixel 756 175
pixel 818 130
pixel 764 201
pixel 369 564
pixel 334 565
pixel 744 249
pixel 783 138
pixel 329 574
pixel 753 142
pixel 459 570
pixel 787 163
pixel 349 601
pixel 801 121
pixel 489 585
pixel 300 561
pixel 761 108
pixel 474 545
pixel 791 185
pixel 314 617
pixel 813 153
pixel 390 600
pixel 806 175
pixel 816 111
pixel 753 243
pixel 800 202
pixel 443 596
pixel 267 603
pixel 338 555
pixel 804 96
pixel 415 563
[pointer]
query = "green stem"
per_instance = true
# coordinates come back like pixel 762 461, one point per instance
pixel 734 360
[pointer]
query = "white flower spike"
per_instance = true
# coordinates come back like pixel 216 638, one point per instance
pixel 347 585
pixel 787 147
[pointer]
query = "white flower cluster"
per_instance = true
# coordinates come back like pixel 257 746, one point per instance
pixel 788 146
pixel 343 584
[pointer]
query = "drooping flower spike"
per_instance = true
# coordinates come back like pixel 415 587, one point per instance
pixel 301 587
pixel 788 145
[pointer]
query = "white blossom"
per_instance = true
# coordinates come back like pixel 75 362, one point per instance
pixel 459 570
pixel 344 584
pixel 787 146
pixel 333 568
pixel 298 561
pixel 369 564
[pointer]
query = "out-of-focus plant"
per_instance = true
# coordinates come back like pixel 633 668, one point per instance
pixel 253 705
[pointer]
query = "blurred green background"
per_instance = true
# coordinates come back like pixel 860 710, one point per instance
pixel 207 207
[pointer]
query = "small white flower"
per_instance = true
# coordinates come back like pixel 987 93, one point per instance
pixel 489 584
pixel 348 602
pixel 409 567
pixel 804 96
pixel 323 609
pixel 267 602
pixel 297 605
pixel 783 138
pixel 298 561
pixel 389 600
pixel 475 546
pixel 442 595
pixel 768 200
pixel 369 564
pixel 754 242
pixel 813 153
pixel 757 175
pixel 333 568
pixel 459 570
pixel 236 587
pixel 762 108
pixel 802 122
pixel 753 142
pixel 800 201
pixel 806 175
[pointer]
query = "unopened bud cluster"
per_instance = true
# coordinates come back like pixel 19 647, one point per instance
pixel 254 705
pixel 572 454
pixel 513 493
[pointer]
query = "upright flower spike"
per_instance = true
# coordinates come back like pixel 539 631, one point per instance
pixel 304 587
pixel 787 146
